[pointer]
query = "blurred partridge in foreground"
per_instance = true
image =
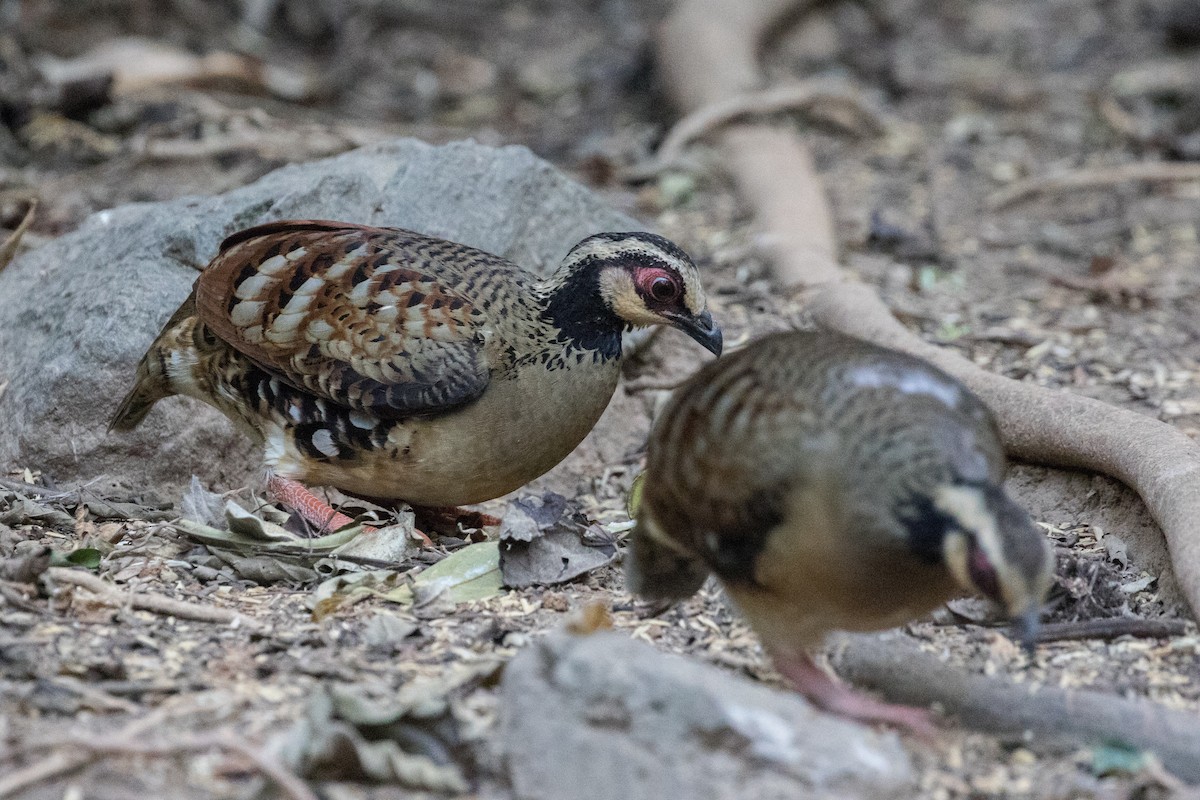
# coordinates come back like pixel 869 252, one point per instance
pixel 832 485
pixel 396 366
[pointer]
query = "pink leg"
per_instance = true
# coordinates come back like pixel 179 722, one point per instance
pixel 316 511
pixel 826 692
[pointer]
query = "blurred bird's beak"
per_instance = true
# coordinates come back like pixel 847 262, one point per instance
pixel 1025 629
pixel 701 328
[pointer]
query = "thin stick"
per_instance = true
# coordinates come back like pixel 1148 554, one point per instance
pixel 292 785
pixel 31 489
pixel 1111 628
pixel 123 745
pixel 61 763
pixel 50 767
pixel 1095 178
pixel 146 601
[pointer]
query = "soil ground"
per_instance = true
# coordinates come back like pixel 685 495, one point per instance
pixel 1096 291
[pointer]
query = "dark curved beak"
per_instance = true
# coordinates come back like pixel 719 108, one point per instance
pixel 701 328
pixel 1025 629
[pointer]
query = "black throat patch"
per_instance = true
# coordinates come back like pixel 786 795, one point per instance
pixel 586 321
pixel 926 527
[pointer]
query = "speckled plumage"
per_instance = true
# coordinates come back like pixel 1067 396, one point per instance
pixel 816 475
pixel 396 365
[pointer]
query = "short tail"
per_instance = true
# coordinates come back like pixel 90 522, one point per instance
pixel 657 570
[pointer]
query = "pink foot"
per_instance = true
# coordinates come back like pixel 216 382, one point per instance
pixel 828 693
pixel 322 516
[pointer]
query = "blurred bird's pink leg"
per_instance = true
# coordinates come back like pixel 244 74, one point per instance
pixel 826 692
pixel 317 512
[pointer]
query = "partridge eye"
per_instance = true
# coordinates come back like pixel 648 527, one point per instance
pixel 663 289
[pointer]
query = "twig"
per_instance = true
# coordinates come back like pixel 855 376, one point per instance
pixel 311 143
pixel 775 176
pixel 284 778
pixel 9 247
pixel 1095 178
pixel 905 674
pixel 1120 120
pixel 758 103
pixel 126 745
pixel 11 592
pixel 1111 628
pixel 50 767
pixel 93 696
pixel 145 601
pixel 61 763
pixel 32 489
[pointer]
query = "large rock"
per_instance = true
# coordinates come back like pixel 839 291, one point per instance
pixel 77 314
pixel 603 716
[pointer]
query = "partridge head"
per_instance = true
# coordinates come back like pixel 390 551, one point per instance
pixel 402 367
pixel 832 485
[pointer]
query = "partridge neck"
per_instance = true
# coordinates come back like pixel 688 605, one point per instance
pixel 574 306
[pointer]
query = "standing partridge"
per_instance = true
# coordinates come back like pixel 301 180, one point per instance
pixel 832 485
pixel 397 366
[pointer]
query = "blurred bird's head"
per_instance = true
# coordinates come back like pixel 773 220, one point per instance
pixel 991 546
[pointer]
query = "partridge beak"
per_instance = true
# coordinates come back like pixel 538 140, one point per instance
pixel 1025 629
pixel 702 328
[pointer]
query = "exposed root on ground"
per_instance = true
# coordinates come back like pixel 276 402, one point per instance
pixel 905 674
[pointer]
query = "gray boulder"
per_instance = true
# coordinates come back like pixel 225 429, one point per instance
pixel 603 716
pixel 77 313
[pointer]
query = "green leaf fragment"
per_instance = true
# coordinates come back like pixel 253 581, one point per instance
pixel 472 573
pixel 87 557
pixel 635 495
pixel 1117 758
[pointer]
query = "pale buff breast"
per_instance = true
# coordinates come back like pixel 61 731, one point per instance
pixel 519 429
pixel 817 575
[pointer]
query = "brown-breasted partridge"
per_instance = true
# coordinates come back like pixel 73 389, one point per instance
pixel 401 367
pixel 831 484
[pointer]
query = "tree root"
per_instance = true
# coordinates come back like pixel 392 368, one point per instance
pixel 775 176
pixel 1095 178
pixel 904 674
pixel 772 100
pixel 1112 628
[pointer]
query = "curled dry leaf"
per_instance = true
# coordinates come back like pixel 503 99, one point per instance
pixel 26 567
pixel 258 545
pixel 416 737
pixel 544 542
